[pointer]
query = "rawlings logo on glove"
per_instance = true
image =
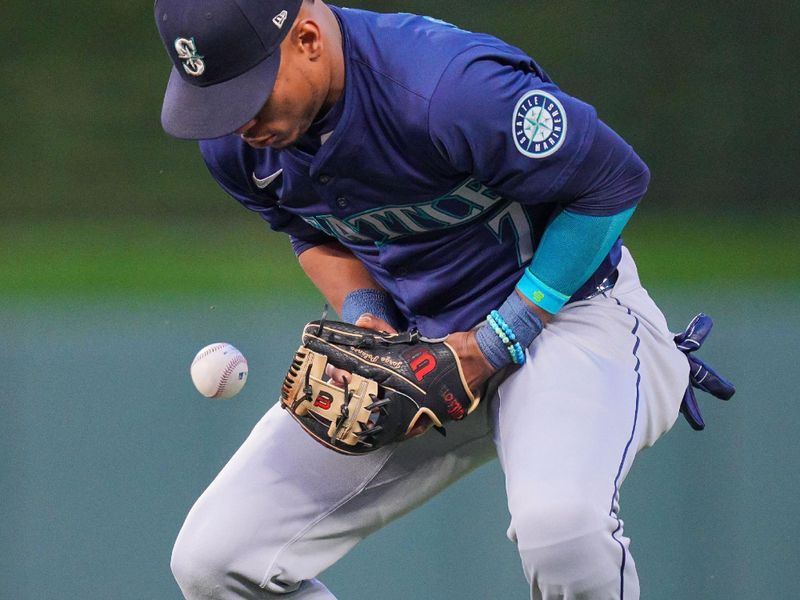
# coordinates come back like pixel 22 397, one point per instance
pixel 396 382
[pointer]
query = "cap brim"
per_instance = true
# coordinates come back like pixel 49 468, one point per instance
pixel 198 113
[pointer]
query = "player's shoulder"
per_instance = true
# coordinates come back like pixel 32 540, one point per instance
pixel 228 159
pixel 415 51
pixel 242 171
pixel 224 152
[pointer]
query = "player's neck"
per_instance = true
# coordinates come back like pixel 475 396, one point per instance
pixel 336 58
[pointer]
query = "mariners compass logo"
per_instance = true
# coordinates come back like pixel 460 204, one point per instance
pixel 540 124
pixel 192 62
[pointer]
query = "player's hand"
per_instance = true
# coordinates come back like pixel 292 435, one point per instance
pixel 473 362
pixel 339 376
pixel 701 376
pixel 476 368
pixel 368 321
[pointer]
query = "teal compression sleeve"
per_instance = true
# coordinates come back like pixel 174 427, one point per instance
pixel 571 249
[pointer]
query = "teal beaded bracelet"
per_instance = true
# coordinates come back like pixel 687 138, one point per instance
pixel 506 335
pixel 503 337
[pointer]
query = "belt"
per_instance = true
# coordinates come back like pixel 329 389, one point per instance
pixel 606 284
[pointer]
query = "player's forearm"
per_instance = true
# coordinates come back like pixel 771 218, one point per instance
pixel 335 272
pixel 555 274
pixel 481 355
pixel 544 316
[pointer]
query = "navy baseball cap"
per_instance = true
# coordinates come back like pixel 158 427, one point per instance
pixel 225 56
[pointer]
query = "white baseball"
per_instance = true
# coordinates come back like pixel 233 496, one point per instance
pixel 219 371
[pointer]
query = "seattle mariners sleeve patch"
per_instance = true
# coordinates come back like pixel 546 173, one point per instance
pixel 539 124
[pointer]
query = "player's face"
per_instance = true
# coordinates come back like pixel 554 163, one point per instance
pixel 298 96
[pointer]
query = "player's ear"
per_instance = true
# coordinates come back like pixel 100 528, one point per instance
pixel 307 38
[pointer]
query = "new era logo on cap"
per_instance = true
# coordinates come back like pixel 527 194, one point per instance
pixel 280 18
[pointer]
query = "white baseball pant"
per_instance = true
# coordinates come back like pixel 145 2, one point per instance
pixel 603 381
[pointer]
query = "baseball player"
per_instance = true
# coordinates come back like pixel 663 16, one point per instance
pixel 435 180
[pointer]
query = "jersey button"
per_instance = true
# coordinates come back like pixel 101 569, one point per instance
pixel 341 202
pixel 323 179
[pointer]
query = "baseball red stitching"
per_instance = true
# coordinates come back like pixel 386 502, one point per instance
pixel 227 373
pixel 208 351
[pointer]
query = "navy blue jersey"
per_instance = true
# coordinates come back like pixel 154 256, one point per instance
pixel 451 153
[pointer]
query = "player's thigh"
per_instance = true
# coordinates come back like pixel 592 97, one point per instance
pixel 286 506
pixel 663 369
pixel 569 423
pixel 277 484
pixel 565 425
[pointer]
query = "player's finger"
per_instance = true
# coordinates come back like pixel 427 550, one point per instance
pixel 695 333
pixel 370 321
pixel 691 411
pixel 707 379
pixel 337 376
pixel 423 424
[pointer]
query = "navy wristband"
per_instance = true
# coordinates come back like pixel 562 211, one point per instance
pixel 370 300
pixel 492 347
pixel 523 321
pixel 525 324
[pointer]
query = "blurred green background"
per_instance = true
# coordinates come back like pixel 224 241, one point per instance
pixel 119 258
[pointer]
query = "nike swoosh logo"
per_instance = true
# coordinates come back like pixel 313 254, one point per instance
pixel 262 183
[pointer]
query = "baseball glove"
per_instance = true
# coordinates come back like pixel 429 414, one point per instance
pixel 396 379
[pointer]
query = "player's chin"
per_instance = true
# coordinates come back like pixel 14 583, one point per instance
pixel 260 143
pixel 273 140
pixel 282 143
pixel 279 141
